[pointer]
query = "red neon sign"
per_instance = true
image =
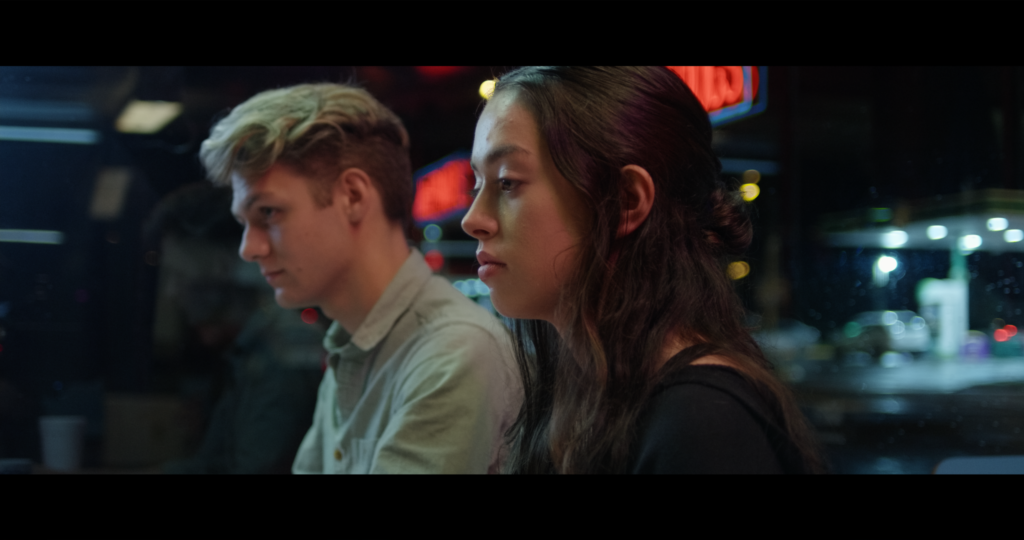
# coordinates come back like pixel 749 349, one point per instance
pixel 726 92
pixel 438 71
pixel 443 190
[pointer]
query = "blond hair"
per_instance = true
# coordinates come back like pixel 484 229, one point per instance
pixel 319 130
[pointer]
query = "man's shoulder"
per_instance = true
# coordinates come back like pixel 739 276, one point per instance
pixel 439 305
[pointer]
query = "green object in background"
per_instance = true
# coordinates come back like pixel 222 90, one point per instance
pixel 1010 347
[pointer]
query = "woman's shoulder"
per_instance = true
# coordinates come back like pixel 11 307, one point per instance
pixel 706 418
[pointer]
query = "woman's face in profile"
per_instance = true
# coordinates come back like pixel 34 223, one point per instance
pixel 526 216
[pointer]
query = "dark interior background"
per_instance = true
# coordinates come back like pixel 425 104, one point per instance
pixel 80 314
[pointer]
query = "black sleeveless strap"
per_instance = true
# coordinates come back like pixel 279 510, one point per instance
pixel 678 370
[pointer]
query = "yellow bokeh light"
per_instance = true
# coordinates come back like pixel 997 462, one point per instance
pixel 487 89
pixel 738 270
pixel 750 191
pixel 751 177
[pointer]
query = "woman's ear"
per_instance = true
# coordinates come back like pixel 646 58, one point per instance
pixel 638 197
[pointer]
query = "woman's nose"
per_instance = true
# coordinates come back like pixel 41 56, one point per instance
pixel 478 223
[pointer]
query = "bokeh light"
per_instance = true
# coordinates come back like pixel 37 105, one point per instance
pixel 487 89
pixel 1013 235
pixel 937 232
pixel 738 270
pixel 309 315
pixel 887 263
pixel 751 176
pixel 432 233
pixel 750 191
pixel 1010 329
pixel 434 259
pixel 1001 335
pixel 894 239
pixel 970 242
pixel 997 224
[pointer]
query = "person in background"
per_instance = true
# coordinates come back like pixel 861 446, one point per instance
pixel 419 378
pixel 605 232
pixel 271 357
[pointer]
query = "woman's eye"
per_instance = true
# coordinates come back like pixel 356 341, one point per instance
pixel 267 213
pixel 506 185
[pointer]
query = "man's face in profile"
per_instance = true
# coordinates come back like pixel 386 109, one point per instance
pixel 304 251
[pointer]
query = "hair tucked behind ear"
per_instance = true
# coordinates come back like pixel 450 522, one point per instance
pixel 629 295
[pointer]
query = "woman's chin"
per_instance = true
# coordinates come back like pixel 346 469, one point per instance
pixel 514 310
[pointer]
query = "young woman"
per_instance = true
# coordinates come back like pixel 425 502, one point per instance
pixel 604 234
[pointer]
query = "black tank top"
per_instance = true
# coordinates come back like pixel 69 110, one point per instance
pixel 709 419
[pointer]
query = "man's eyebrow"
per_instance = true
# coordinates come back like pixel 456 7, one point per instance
pixel 499 152
pixel 247 204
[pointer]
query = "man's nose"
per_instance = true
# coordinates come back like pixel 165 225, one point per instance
pixel 254 245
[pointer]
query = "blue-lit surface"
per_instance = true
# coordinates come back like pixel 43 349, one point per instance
pixel 750 105
pixel 31 237
pixel 49 135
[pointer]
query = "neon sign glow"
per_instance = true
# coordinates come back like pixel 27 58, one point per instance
pixel 443 189
pixel 728 93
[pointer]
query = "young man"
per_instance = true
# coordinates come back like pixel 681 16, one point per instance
pixel 419 378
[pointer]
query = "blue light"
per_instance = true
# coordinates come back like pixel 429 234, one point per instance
pixel 31 237
pixel 432 233
pixel 49 135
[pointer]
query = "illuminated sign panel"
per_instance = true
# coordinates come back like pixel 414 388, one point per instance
pixel 728 93
pixel 443 189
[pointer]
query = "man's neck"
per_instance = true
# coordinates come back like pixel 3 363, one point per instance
pixel 372 271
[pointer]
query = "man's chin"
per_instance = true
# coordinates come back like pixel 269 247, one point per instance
pixel 287 302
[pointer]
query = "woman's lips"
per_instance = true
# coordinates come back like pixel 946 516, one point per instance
pixel 489 265
pixel 489 270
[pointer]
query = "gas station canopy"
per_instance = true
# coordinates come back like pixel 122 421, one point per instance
pixel 987 220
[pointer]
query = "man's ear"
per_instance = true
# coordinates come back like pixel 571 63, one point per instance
pixel 638 197
pixel 354 191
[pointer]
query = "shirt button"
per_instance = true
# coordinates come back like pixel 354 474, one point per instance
pixel 337 454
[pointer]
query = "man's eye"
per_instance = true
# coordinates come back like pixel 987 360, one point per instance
pixel 506 185
pixel 267 213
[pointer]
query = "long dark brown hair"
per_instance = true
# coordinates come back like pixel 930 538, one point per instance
pixel 586 388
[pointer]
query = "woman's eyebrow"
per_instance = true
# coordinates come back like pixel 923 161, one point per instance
pixel 498 153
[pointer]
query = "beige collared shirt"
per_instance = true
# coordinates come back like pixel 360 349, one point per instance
pixel 427 384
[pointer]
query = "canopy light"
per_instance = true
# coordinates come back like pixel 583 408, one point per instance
pixel 894 239
pixel 998 224
pixel 937 232
pixel 887 263
pixel 147 116
pixel 970 242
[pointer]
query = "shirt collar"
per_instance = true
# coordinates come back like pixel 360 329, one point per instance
pixel 397 298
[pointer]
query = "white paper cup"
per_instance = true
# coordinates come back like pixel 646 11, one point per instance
pixel 62 442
